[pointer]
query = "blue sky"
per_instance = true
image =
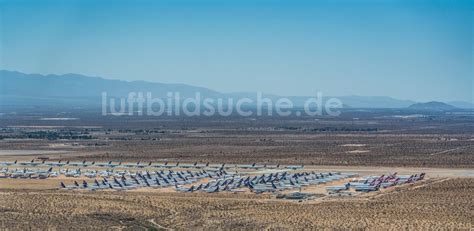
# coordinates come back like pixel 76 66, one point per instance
pixel 417 49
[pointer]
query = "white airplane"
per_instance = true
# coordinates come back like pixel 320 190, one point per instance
pixel 132 165
pixel 189 165
pixel 31 163
pixel 56 164
pixel 8 163
pixel 184 189
pixel 73 173
pixel 69 187
pixel 143 165
pixel 273 167
pixel 44 174
pixel 109 164
pixel 53 174
pixel 338 188
pixel 252 166
pixel 77 164
pixel 295 167
pixel 212 189
pixel 197 166
pixel 368 187
pixel 91 174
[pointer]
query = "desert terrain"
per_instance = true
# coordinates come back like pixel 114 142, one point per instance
pixel 375 142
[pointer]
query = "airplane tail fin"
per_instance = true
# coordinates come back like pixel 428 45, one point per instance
pixel 381 177
pixel 396 181
pixel 422 175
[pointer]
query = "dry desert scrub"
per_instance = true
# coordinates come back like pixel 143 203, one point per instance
pixel 441 204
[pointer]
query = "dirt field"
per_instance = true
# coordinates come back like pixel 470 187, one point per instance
pixel 270 148
pixel 372 139
pixel 427 206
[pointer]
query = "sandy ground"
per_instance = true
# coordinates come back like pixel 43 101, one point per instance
pixel 426 205
pixel 15 153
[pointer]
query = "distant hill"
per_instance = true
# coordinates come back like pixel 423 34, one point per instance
pixel 348 101
pixel 462 104
pixel 375 102
pixel 432 106
pixel 18 89
pixel 74 85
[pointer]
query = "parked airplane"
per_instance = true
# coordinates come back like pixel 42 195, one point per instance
pixel 338 188
pixel 295 167
pixel 8 163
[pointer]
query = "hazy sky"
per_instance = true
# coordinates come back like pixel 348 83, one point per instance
pixel 415 49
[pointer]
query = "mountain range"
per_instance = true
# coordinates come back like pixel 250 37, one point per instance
pixel 433 105
pixel 18 88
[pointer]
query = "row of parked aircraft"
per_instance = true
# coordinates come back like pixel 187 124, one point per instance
pixel 157 179
pixel 374 183
pixel 219 180
pixel 27 173
pixel 90 173
pixel 139 164
pixel 267 182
